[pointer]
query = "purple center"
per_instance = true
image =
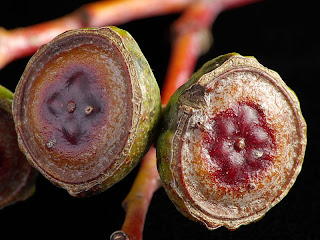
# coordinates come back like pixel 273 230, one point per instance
pixel 73 106
pixel 240 144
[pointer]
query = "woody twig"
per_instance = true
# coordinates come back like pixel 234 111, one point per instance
pixel 21 42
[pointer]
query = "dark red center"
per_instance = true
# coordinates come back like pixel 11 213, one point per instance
pixel 240 144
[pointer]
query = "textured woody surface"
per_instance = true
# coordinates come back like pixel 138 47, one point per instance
pixel 232 142
pixel 17 177
pixel 85 109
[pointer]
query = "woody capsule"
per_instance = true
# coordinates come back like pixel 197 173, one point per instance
pixel 232 142
pixel 86 109
pixel 17 177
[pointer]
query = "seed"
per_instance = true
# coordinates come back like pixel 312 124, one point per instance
pixel 71 106
pixel 88 110
pixel 240 144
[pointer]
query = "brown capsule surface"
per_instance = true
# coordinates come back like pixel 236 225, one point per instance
pixel 17 177
pixel 78 109
pixel 232 143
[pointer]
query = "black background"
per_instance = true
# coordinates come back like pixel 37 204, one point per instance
pixel 282 35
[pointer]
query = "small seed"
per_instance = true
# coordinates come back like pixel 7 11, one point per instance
pixel 240 144
pixel 88 110
pixel 71 106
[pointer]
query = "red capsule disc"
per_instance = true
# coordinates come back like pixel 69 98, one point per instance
pixel 233 142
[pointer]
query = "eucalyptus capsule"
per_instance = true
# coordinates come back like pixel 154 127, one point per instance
pixel 86 109
pixel 17 177
pixel 232 142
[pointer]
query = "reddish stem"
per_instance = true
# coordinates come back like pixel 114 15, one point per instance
pixel 193 37
pixel 22 42
pixel 138 200
pixel 119 12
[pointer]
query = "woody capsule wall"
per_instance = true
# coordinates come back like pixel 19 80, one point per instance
pixel 281 39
